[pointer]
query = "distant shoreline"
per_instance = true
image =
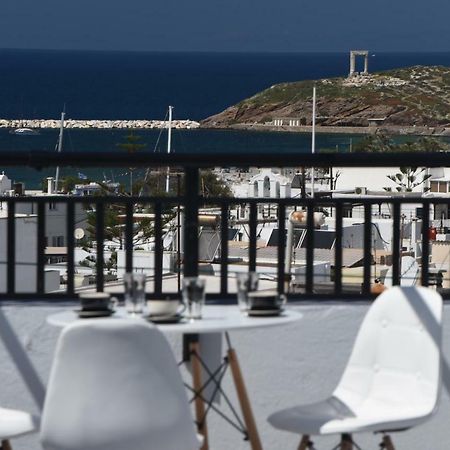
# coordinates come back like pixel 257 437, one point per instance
pixel 389 130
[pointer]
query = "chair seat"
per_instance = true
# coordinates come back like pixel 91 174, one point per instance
pixel 15 423
pixel 333 416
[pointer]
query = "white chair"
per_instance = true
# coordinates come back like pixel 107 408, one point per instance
pixel 15 423
pixel 115 385
pixel 392 380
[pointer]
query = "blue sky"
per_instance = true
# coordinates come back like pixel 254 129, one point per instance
pixel 226 25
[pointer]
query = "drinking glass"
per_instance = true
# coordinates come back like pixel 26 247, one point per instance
pixel 246 282
pixel 194 296
pixel 134 284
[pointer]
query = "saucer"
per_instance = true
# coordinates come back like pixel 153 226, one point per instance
pixel 87 314
pixel 265 312
pixel 165 319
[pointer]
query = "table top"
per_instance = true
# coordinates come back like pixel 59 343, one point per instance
pixel 216 318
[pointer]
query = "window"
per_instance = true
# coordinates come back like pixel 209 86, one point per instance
pixel 438 186
pixel 58 241
pixel 266 187
pixel 347 211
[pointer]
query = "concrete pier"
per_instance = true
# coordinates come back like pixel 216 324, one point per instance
pixel 97 124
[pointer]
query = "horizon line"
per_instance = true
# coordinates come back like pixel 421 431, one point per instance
pixel 86 50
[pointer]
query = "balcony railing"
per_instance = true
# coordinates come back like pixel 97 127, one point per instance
pixel 192 201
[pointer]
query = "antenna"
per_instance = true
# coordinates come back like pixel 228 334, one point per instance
pixel 60 144
pixel 313 137
pixel 169 145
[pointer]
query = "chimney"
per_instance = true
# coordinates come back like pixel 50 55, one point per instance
pixel 50 185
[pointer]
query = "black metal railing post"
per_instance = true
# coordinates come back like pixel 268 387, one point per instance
pixel 281 247
pixel 40 257
pixel 367 245
pixel 425 243
pixel 100 238
pixel 129 237
pixel 309 282
pixel 252 225
pixel 396 245
pixel 338 250
pixel 158 248
pixel 11 248
pixel 70 245
pixel 191 231
pixel 224 250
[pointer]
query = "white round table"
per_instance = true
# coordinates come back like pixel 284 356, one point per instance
pixel 217 320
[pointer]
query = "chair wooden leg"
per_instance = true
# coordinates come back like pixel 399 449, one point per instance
pixel 305 443
pixel 244 401
pixel 6 445
pixel 346 442
pixel 387 443
pixel 199 403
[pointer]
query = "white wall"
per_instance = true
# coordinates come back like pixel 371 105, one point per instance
pixel 5 184
pixel 26 258
pixel 374 178
pixel 144 262
pixel 26 253
pixel 55 220
pixel 283 366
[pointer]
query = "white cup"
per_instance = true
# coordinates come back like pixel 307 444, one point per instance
pixel 168 307
pixel 93 301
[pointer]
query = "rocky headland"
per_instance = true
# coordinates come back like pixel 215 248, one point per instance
pixel 414 100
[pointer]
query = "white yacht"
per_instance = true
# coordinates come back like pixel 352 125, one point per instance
pixel 24 132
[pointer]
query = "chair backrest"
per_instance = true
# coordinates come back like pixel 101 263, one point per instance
pixel 115 385
pixel 396 358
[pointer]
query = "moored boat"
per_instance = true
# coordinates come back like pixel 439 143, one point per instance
pixel 24 132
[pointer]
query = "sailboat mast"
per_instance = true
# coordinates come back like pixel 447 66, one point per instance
pixel 60 144
pixel 169 147
pixel 313 138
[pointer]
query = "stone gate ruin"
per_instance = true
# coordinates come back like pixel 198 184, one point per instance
pixel 353 55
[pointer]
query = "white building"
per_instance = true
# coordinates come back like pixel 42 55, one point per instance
pixel 368 179
pixel 269 184
pixel 55 220
pixel 26 256
pixel 93 188
pixel 5 184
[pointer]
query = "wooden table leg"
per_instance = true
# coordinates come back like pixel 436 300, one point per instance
pixel 244 400
pixel 6 445
pixel 387 441
pixel 197 385
pixel 305 443
pixel 346 442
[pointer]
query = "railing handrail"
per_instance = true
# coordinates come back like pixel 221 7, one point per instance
pixel 40 159
pixel 394 198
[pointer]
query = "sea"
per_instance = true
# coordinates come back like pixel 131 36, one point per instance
pixel 38 84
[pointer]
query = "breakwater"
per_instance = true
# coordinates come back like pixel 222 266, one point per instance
pixel 98 124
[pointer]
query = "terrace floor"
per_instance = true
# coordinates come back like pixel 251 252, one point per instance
pixel 298 363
